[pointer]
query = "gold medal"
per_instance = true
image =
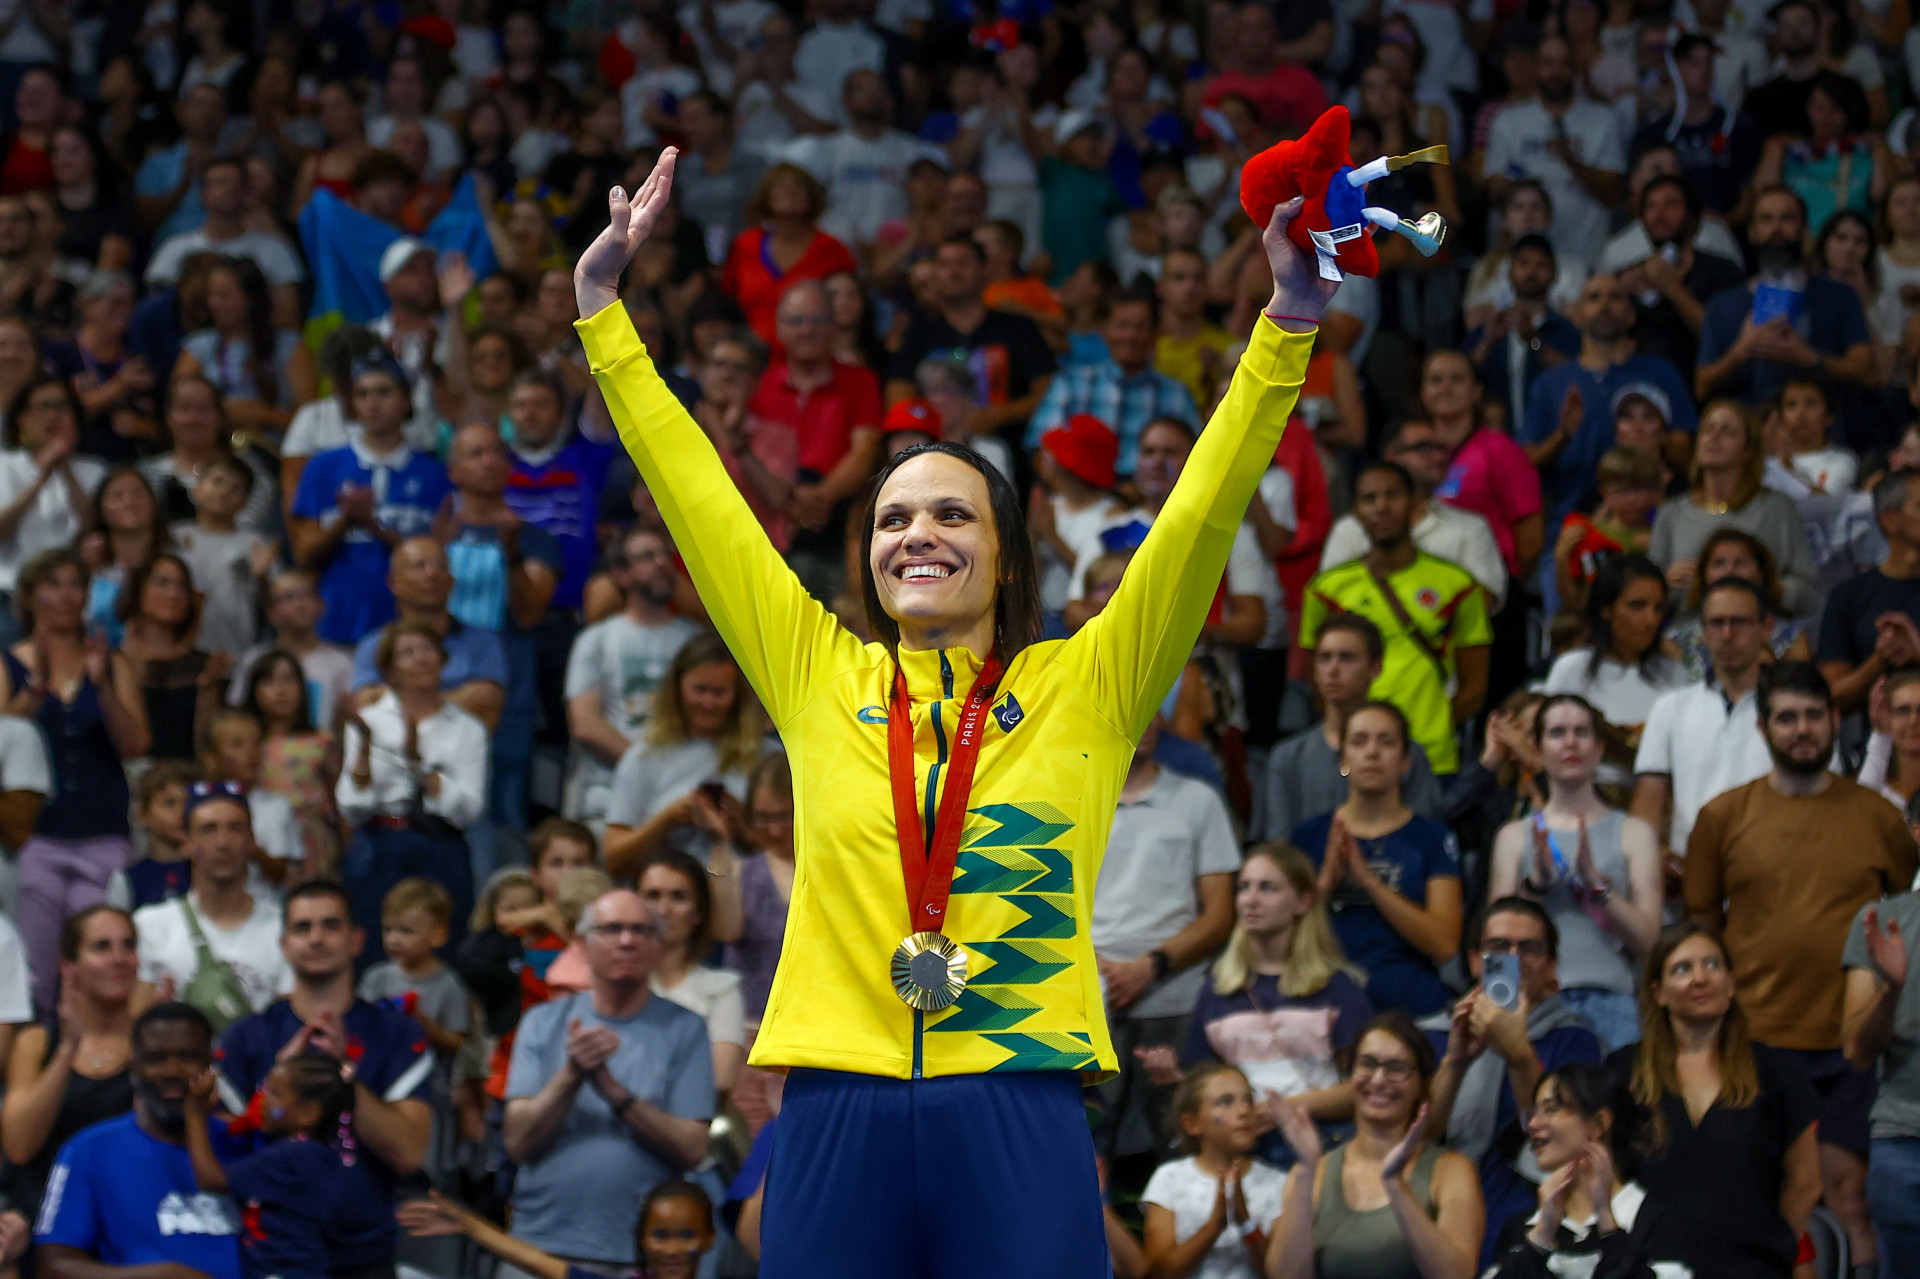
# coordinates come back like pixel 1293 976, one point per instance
pixel 929 971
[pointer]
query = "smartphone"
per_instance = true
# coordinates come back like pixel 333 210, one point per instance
pixel 1500 979
pixel 714 791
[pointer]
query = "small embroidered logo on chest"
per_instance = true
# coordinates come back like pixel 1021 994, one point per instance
pixel 1009 714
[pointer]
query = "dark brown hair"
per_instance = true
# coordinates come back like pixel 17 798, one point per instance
pixel 1016 603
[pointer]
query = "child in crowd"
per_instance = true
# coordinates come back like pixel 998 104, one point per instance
pixel 232 753
pixel 159 806
pixel 228 563
pixel 1075 466
pixel 310 1205
pixel 293 609
pixel 1011 289
pixel 674 1231
pixel 296 759
pixel 1210 1214
pixel 1800 445
pixel 492 964
pixel 1629 483
pixel 1077 196
pixel 415 919
pixel 578 889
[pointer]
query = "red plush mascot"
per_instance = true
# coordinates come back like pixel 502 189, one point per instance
pixel 1334 223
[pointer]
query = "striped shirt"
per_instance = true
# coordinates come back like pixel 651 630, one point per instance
pixel 1124 401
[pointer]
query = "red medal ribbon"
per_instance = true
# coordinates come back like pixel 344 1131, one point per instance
pixel 928 868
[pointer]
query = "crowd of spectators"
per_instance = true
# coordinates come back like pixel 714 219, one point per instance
pixel 394 863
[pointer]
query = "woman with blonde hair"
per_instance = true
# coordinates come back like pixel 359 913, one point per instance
pixel 1729 461
pixel 685 783
pixel 1727 1140
pixel 1283 1002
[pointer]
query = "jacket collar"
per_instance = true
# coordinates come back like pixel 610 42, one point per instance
pixel 940 674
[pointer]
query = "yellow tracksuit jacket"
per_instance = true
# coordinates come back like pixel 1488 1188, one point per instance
pixel 1057 746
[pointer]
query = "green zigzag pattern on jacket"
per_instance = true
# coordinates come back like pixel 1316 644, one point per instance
pixel 977 1010
pixel 1045 1051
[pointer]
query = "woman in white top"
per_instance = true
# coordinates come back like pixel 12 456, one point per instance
pixel 1595 869
pixel 1621 669
pixel 675 887
pixel 416 778
pixel 46 492
pixel 1209 1216
pixel 685 782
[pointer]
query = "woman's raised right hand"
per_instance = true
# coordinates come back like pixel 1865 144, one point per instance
pixel 596 277
pixel 1298 1128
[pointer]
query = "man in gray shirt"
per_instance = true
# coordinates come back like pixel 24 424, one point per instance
pixel 1163 904
pixel 1303 773
pixel 1881 1023
pixel 610 1089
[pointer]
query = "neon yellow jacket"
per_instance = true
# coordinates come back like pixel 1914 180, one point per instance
pixel 1055 752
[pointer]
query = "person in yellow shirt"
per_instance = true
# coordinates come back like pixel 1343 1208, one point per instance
pixel 1431 612
pixel 938 1002
pixel 1190 351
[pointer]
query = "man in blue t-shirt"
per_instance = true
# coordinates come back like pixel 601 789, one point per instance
pixel 1809 326
pixel 420 583
pixel 122 1194
pixel 355 504
pixel 393 1069
pixel 558 473
pixel 1567 450
pixel 1492 1058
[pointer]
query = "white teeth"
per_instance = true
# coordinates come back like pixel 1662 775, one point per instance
pixel 912 571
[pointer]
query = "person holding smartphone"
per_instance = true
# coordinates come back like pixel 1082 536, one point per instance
pixel 1495 1045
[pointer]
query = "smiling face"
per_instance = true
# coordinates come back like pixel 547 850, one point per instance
pixel 935 554
pixel 107 965
pixel 1386 1080
pixel 707 694
pixel 676 1232
pixel 1557 1131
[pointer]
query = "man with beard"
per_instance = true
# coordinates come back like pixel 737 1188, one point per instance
pixel 1569 419
pixel 1572 146
pixel 1815 326
pixel 1780 867
pixel 1780 104
pixel 617 664
pixel 1670 277
pixel 393 1070
pixel 863 166
pixel 1430 611
pixel 122 1202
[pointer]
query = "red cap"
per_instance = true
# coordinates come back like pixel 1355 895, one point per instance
pixel 432 28
pixel 1086 446
pixel 912 414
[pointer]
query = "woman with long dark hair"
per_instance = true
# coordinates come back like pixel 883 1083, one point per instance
pixel 1621 669
pixel 259 370
pixel 180 682
pixel 957 716
pixel 128 530
pixel 1727 1140
pixel 679 891
pixel 297 758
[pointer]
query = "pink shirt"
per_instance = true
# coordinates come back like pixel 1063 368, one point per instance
pixel 1491 476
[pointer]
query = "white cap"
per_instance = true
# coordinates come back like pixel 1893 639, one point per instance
pixel 399 253
pixel 1073 123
